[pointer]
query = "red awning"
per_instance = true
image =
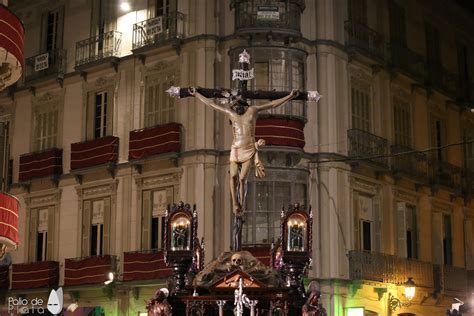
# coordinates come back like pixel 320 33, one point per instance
pixel 11 47
pixel 9 207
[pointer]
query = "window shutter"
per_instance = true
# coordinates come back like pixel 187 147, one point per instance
pixel 377 224
pixel 436 232
pixel 355 210
pixel 146 220
pixel 51 233
pixel 90 116
pixel 107 224
pixel 401 230
pixel 60 28
pixel 86 228
pixel 110 111
pixel 33 235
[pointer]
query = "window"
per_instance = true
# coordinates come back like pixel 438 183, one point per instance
pixel 5 165
pixel 433 53
pixel 46 128
pixel 41 230
pixel 469 244
pixel 276 69
pixel 159 107
pixel 407 231
pixel 469 148
pixel 99 116
pixel 155 203
pixel 438 137
pixel 367 235
pixel 463 69
pixel 53 29
pixel 358 11
pixel 447 240
pixel 361 106
pixel 402 122
pixel 397 24
pixel 265 200
pixel 95 227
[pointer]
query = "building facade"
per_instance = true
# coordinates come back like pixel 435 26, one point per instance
pixel 95 149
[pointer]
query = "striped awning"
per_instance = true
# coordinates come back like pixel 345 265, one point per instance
pixel 9 208
pixel 12 36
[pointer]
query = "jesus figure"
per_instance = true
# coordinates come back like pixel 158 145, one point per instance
pixel 244 147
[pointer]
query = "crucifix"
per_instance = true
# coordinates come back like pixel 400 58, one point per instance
pixel 244 149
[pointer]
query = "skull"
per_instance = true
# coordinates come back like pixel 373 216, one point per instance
pixel 236 260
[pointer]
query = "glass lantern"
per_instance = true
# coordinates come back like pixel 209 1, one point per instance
pixel 180 233
pixel 296 233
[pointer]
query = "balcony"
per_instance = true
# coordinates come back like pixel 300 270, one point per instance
pixel 445 174
pixel 365 145
pixel 47 163
pixel 95 152
pixel 97 48
pixel 389 269
pixel 155 140
pixel 281 131
pixel 361 38
pixel 158 30
pixel 35 275
pixel 414 165
pixel 145 265
pixel 410 62
pixel 260 252
pixel 88 270
pixel 451 279
pixel 468 178
pixel 443 80
pixel 51 63
pixel 277 17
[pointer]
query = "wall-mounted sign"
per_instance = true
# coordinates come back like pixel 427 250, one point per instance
pixel 154 26
pixel 42 62
pixel 268 12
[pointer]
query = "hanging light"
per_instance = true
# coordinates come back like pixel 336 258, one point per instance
pixel 410 289
pixel 125 6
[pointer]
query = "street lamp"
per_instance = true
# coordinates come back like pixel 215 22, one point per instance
pixel 394 303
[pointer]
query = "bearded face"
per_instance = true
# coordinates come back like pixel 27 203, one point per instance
pixel 240 107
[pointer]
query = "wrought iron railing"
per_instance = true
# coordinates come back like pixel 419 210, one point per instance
pixel 468 182
pixel 414 164
pixel 365 39
pixel 368 146
pixel 445 174
pixel 412 63
pixel 443 79
pixel 158 29
pixel 98 47
pixel 276 16
pixel 48 63
pixel 389 269
pixel 453 279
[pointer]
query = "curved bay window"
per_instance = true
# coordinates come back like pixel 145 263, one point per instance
pixel 279 69
pixel 265 199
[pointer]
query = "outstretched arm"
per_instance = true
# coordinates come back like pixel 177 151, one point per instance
pixel 276 103
pixel 207 101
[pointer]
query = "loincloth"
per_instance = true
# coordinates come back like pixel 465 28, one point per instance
pixel 241 154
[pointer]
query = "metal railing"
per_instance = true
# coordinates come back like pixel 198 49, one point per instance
pixel 98 47
pixel 445 174
pixel 453 279
pixel 272 15
pixel 48 63
pixel 365 39
pixel 389 269
pixel 468 181
pixel 414 164
pixel 158 29
pixel 412 63
pixel 443 79
pixel 364 144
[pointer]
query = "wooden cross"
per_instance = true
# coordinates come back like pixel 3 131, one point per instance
pixel 243 74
